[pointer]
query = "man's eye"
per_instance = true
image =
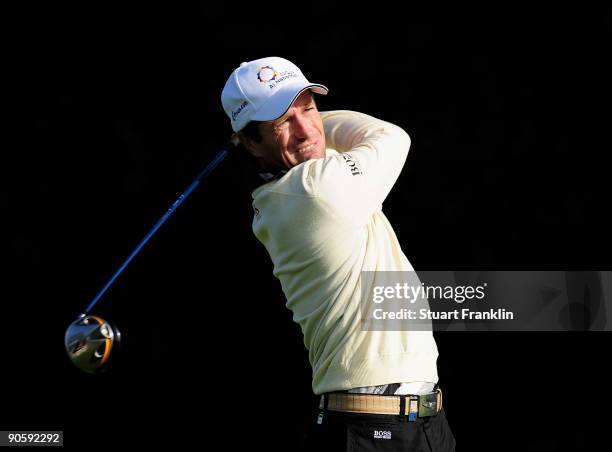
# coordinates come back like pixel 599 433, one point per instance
pixel 282 125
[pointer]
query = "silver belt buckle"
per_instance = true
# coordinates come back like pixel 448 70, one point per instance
pixel 427 404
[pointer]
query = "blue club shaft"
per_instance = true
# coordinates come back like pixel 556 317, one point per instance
pixel 214 162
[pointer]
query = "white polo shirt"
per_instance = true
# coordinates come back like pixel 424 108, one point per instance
pixel 322 224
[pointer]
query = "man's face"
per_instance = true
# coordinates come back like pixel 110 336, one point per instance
pixel 293 138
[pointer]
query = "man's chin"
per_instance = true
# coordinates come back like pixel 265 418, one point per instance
pixel 301 157
pixel 314 154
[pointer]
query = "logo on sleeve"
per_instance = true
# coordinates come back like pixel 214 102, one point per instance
pixel 353 165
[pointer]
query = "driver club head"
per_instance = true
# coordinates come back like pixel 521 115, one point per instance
pixel 89 342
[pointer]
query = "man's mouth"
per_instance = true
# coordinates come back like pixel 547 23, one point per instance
pixel 306 149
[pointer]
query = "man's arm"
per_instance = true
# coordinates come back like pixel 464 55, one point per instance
pixel 372 154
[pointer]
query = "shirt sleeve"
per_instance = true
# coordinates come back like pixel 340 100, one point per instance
pixel 371 154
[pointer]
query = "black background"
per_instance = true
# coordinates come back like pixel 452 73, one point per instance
pixel 113 110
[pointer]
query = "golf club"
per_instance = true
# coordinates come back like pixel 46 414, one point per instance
pixel 90 339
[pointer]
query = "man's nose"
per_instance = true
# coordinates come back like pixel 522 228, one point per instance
pixel 301 127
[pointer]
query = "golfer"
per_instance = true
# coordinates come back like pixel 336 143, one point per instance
pixel 323 177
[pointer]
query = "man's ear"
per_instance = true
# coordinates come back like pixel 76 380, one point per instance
pixel 248 144
pixel 234 140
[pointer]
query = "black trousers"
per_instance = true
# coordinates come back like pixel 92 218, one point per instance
pixel 356 432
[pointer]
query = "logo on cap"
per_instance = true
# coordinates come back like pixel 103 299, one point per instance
pixel 239 109
pixel 266 74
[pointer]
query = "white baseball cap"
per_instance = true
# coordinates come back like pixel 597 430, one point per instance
pixel 263 90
